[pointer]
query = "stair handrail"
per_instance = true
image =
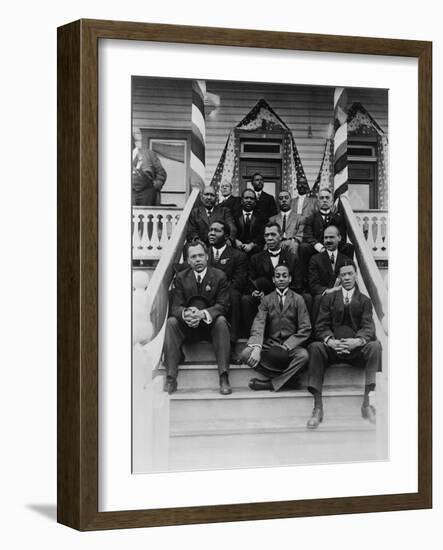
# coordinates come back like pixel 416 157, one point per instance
pixel 368 268
pixel 158 288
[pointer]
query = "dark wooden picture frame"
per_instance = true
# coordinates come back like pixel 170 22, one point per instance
pixel 77 460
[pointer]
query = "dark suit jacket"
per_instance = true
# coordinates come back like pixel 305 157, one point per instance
pixel 256 233
pixel 291 326
pixel 315 227
pixel 266 205
pixel 331 313
pixel 320 274
pixel 233 263
pixel 233 204
pixel 198 223
pixel 215 289
pixel 260 266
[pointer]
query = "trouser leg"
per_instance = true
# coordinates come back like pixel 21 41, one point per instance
pixel 371 353
pixel 299 358
pixel 235 313
pixel 174 338
pixel 318 363
pixel 249 307
pixel 221 341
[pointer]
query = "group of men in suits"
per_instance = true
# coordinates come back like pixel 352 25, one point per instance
pixel 246 275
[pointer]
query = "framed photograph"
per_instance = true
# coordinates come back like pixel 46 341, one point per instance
pixel 244 275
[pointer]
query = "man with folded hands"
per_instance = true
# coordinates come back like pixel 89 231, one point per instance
pixel 345 333
pixel 199 307
pixel 279 330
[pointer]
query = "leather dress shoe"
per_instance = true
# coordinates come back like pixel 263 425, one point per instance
pixel 234 360
pixel 368 412
pixel 170 384
pixel 225 388
pixel 316 418
pixel 257 385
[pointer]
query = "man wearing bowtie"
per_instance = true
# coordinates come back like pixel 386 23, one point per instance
pixel 280 328
pixel 261 272
pixel 234 264
pixel 200 304
pixel 345 332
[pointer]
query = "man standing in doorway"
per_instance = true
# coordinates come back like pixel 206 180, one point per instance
pixel 265 202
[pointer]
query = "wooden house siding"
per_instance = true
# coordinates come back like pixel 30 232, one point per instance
pixel 307 110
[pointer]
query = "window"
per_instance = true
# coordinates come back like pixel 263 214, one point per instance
pixel 173 150
pixel 362 173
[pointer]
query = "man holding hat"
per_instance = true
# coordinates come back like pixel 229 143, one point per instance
pixel 199 307
pixel 278 356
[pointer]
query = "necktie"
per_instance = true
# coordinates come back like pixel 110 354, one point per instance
pixel 280 301
pixel 247 225
pixel 332 259
pixel 283 229
pixel 347 299
pixel 217 254
pixel 199 283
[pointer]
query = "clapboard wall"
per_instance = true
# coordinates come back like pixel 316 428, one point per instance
pixel 162 103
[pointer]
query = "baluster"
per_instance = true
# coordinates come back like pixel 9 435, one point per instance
pixel 164 237
pixel 365 227
pixel 145 241
pixel 384 235
pixel 378 239
pixel 155 242
pixel 136 242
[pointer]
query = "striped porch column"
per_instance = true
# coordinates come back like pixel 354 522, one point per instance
pixel 198 136
pixel 340 142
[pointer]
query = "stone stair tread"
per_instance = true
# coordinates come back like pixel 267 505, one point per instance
pixel 246 393
pixel 334 423
pixel 206 365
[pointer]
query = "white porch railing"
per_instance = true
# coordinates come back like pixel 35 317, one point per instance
pixel 152 227
pixel 374 224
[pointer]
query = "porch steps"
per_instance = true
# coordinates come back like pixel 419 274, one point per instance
pixel 258 429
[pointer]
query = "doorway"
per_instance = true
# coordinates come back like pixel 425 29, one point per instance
pixel 270 169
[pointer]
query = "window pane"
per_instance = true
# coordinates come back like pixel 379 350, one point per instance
pixel 172 155
pixel 359 196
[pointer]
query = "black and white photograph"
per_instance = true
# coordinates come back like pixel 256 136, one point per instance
pixel 259 228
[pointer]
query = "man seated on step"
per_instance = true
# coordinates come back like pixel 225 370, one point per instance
pixel 234 264
pixel 261 272
pixel 280 328
pixel 204 213
pixel 290 221
pixel 249 225
pixel 345 333
pixel 324 268
pixel 199 307
pixel 314 229
pixel 227 199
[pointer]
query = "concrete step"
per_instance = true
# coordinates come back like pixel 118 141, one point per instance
pixel 203 352
pixel 205 375
pixel 246 405
pixel 285 424
pixel 266 449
